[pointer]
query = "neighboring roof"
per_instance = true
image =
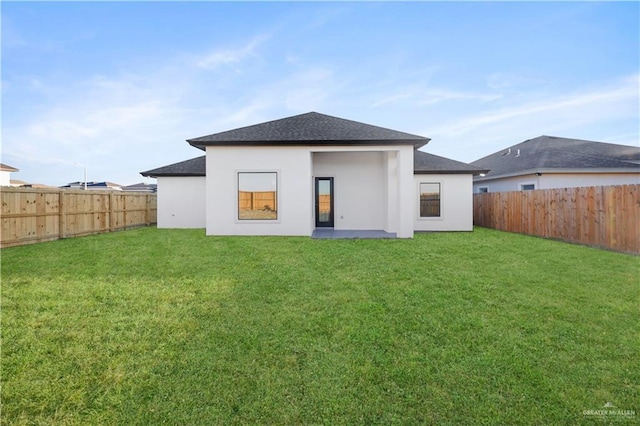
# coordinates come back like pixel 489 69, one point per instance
pixel 193 167
pixel 23 184
pixel 106 185
pixel 141 187
pixel 7 168
pixel 550 153
pixel 309 129
pixel 429 163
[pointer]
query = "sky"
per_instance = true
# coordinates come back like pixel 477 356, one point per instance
pixel 117 87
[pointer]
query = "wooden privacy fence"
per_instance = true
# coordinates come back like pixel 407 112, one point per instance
pixel 601 216
pixel 36 215
pixel 257 200
pixel 324 203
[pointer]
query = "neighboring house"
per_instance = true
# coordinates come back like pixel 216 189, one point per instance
pixel 5 174
pixel 93 186
pixel 141 187
pixel 553 162
pixel 18 183
pixel 314 171
pixel 22 184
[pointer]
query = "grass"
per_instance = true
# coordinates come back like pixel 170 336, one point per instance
pixel 156 326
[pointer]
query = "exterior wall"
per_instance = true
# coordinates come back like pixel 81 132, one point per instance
pixel 456 203
pixel 5 178
pixel 294 189
pixel 507 184
pixel 563 180
pixel 372 185
pixel 359 180
pixel 181 202
pixel 557 180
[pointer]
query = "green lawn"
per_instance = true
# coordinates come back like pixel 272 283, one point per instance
pixel 156 326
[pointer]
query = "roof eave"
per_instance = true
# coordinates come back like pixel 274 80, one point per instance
pixel 156 175
pixel 562 171
pixel 417 143
pixel 450 172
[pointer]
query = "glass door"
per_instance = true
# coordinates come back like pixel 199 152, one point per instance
pixel 324 202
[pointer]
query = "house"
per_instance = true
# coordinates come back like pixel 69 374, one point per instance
pixel 311 172
pixel 5 174
pixel 22 184
pixel 553 162
pixel 141 187
pixel 93 186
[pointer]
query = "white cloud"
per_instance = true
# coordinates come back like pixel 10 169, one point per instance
pixel 420 96
pixel 394 99
pixel 435 96
pixel 301 90
pixel 108 123
pixel 502 81
pixel 597 113
pixel 231 57
pixel 577 107
pixel 120 124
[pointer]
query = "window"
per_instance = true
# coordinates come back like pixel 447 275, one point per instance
pixel 527 187
pixel 483 189
pixel 429 200
pixel 257 196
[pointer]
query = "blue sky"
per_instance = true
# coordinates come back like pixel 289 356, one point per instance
pixel 118 87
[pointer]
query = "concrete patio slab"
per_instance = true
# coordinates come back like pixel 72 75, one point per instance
pixel 330 233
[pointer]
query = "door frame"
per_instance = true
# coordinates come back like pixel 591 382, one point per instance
pixel 331 222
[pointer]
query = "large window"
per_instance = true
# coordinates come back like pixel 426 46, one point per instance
pixel 257 196
pixel 429 200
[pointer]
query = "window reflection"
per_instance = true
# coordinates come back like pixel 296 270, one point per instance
pixel 429 200
pixel 257 196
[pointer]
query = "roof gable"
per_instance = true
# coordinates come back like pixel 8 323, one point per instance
pixel 309 129
pixel 550 152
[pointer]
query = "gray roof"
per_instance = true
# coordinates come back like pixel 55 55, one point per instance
pixel 193 167
pixel 550 153
pixel 309 129
pixel 141 187
pixel 429 163
pixel 92 184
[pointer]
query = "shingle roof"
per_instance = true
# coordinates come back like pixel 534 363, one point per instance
pixel 309 129
pixel 193 167
pixel 430 163
pixel 92 184
pixel 141 187
pixel 546 153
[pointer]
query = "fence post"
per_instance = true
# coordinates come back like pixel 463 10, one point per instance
pixel 147 212
pixel 61 214
pixel 111 218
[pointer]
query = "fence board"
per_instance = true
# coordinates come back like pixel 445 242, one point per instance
pixel 257 200
pixel 31 215
pixel 603 216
